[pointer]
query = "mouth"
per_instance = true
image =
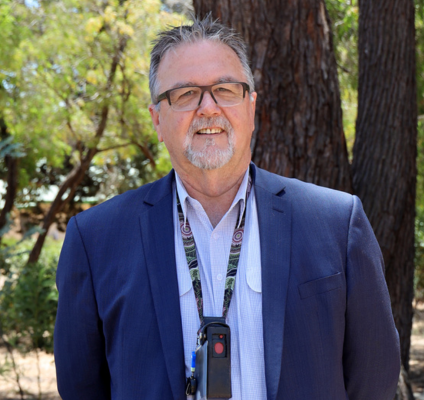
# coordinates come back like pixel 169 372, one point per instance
pixel 209 131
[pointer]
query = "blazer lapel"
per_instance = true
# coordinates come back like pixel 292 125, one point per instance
pixel 274 214
pixel 157 230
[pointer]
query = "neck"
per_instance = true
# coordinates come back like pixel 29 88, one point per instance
pixel 215 190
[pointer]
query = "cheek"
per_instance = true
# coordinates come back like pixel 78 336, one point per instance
pixel 175 131
pixel 243 123
pixel 180 123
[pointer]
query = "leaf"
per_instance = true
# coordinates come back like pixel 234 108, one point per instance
pixel 91 77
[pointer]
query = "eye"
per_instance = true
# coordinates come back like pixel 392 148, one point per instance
pixel 222 89
pixel 187 93
pixel 184 94
pixel 228 89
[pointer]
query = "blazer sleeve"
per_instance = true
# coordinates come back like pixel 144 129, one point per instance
pixel 371 354
pixel 79 346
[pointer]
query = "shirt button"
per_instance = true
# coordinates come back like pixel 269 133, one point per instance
pixel 219 277
pixel 215 236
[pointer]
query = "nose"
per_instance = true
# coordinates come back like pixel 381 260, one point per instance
pixel 208 107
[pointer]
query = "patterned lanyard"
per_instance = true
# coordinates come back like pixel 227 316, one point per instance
pixel 193 266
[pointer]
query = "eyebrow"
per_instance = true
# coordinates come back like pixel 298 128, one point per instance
pixel 227 79
pixel 182 83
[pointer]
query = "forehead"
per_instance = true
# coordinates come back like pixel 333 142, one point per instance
pixel 200 63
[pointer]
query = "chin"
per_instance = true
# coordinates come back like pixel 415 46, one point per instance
pixel 210 157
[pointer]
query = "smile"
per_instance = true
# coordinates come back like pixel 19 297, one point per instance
pixel 209 131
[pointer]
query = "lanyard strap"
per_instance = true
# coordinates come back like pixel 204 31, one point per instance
pixel 193 265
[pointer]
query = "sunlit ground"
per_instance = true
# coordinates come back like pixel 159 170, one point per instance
pixel 28 368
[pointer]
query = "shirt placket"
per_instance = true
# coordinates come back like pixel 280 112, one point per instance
pixel 202 230
pixel 217 269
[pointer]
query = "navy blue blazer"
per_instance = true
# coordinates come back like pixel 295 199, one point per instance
pixel 327 321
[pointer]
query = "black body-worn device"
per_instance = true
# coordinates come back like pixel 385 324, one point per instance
pixel 213 360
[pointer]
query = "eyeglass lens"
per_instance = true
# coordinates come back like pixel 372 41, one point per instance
pixel 187 98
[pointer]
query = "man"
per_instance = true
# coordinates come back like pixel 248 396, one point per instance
pixel 309 314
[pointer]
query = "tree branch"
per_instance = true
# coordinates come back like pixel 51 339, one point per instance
pixel 118 146
pixel 344 69
pixel 115 62
pixel 145 150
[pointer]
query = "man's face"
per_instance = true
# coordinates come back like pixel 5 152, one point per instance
pixel 210 136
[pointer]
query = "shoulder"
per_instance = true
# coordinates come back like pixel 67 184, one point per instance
pixel 302 194
pixel 125 207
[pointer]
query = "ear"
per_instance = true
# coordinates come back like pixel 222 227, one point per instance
pixel 154 113
pixel 252 98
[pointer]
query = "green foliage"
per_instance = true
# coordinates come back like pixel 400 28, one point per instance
pixel 419 222
pixel 419 255
pixel 344 16
pixel 9 251
pixel 28 304
pixel 57 77
pixel 419 34
pixel 7 147
pixel 419 219
pixel 28 297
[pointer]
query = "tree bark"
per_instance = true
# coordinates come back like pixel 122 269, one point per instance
pixel 384 162
pixel 404 391
pixel 12 187
pixel 12 179
pixel 298 125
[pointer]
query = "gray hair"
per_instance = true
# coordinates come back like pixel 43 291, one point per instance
pixel 206 29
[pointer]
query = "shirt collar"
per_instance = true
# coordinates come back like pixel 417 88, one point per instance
pixel 240 197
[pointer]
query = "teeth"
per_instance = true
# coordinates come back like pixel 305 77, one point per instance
pixel 210 131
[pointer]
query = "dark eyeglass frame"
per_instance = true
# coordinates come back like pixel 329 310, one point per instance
pixel 208 88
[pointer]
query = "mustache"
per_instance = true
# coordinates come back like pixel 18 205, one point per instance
pixel 205 123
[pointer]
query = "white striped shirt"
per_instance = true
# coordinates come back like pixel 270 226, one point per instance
pixel 245 313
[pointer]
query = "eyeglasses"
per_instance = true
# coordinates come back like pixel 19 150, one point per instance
pixel 188 98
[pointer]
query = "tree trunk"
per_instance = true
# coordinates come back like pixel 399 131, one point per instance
pixel 12 179
pixel 70 185
pixel 298 125
pixel 404 391
pixel 12 187
pixel 384 163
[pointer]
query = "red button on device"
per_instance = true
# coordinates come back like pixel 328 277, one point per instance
pixel 219 348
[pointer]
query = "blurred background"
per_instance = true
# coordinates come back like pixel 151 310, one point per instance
pixel 340 104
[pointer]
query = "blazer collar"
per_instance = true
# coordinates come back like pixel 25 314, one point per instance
pixel 272 183
pixel 160 189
